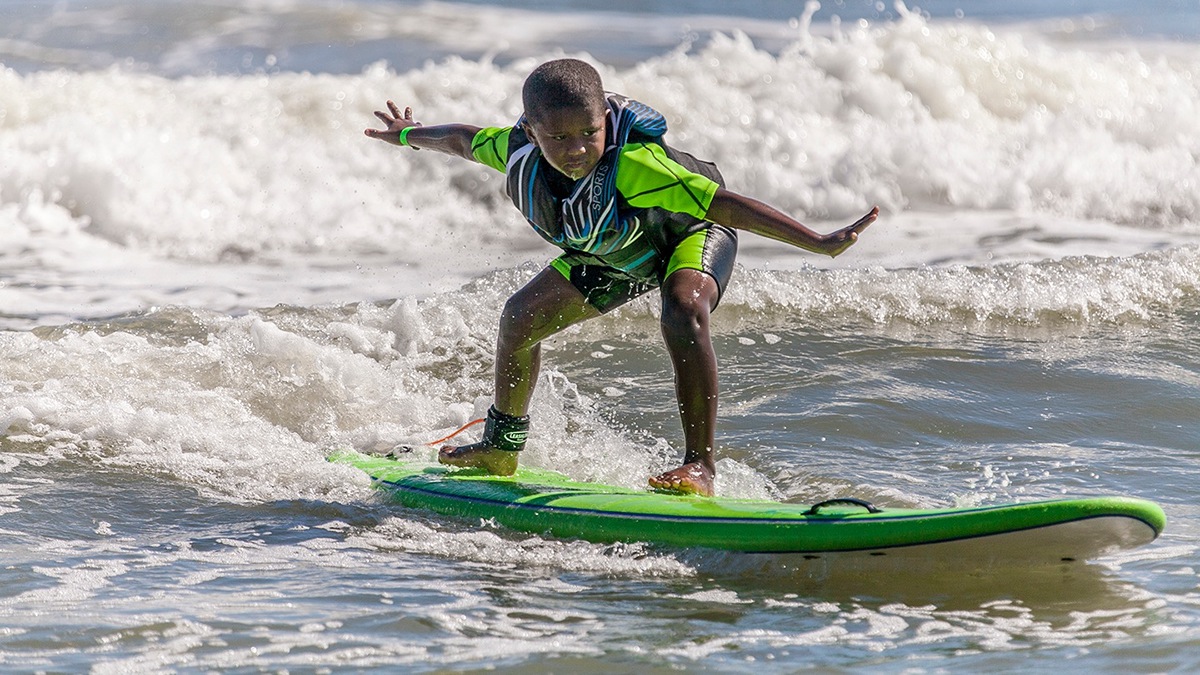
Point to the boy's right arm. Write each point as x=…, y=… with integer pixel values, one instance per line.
x=453, y=139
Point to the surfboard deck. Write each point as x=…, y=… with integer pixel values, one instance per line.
x=544, y=502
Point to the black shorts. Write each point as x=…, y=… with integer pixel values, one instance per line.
x=711, y=250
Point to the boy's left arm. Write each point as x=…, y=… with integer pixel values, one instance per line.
x=744, y=213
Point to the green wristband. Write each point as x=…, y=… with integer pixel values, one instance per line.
x=404, y=136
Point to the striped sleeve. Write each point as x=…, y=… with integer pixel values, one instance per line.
x=490, y=147
x=646, y=177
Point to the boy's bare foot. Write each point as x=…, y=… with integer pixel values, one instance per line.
x=689, y=479
x=477, y=455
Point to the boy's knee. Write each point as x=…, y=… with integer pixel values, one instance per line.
x=526, y=320
x=516, y=320
x=684, y=314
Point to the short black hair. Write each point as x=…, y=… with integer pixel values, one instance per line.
x=562, y=83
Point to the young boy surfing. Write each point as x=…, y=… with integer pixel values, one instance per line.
x=593, y=175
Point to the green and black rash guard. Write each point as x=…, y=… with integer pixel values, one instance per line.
x=640, y=200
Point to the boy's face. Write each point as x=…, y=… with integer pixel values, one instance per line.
x=571, y=139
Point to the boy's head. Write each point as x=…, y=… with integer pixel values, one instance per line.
x=563, y=83
x=566, y=115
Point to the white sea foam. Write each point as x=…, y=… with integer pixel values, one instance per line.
x=235, y=192
x=247, y=407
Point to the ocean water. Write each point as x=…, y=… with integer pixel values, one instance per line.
x=209, y=279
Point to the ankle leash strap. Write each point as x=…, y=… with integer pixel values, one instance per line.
x=504, y=431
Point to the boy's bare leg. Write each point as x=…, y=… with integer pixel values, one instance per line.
x=689, y=296
x=544, y=306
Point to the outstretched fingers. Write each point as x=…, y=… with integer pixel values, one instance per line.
x=864, y=222
x=845, y=237
x=394, y=121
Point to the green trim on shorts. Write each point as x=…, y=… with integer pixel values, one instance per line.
x=563, y=267
x=689, y=254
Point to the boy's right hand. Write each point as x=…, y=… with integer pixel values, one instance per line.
x=395, y=124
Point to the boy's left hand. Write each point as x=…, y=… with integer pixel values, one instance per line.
x=395, y=124
x=836, y=242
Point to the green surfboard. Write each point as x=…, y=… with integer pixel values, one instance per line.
x=544, y=502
